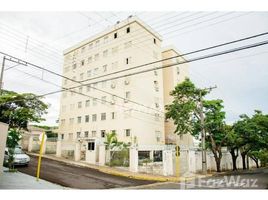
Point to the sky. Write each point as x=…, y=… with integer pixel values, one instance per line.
x=241, y=78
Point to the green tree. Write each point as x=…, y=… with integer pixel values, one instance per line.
x=233, y=143
x=112, y=145
x=186, y=113
x=252, y=133
x=13, y=139
x=215, y=128
x=18, y=110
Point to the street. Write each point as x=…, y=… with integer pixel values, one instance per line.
x=78, y=177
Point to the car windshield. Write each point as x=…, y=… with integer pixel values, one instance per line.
x=18, y=151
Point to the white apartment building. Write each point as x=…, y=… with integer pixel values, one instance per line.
x=132, y=105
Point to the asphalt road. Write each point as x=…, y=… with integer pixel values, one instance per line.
x=249, y=179
x=78, y=177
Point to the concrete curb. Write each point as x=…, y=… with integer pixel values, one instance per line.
x=117, y=172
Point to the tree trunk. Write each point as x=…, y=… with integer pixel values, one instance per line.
x=244, y=160
x=218, y=164
x=234, y=157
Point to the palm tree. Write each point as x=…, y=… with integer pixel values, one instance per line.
x=113, y=144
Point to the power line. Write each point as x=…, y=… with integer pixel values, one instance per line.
x=182, y=55
x=139, y=66
x=27, y=63
x=188, y=61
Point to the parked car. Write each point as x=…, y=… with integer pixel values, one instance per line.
x=20, y=158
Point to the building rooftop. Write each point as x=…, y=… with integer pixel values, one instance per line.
x=118, y=25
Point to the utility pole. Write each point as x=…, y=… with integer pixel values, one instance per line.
x=203, y=132
x=2, y=74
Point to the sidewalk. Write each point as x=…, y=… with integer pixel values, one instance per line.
x=17, y=180
x=122, y=172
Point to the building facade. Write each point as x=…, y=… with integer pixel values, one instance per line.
x=129, y=103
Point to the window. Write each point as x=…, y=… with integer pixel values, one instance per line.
x=86, y=134
x=156, y=105
x=82, y=62
x=103, y=116
x=94, y=133
x=103, y=84
x=105, y=40
x=94, y=117
x=114, y=50
x=156, y=116
x=80, y=89
x=154, y=41
x=115, y=35
x=64, y=94
x=79, y=104
x=71, y=120
x=105, y=53
x=79, y=119
x=127, y=132
x=128, y=44
x=114, y=65
x=155, y=55
x=90, y=46
x=143, y=155
x=155, y=73
x=158, y=157
x=128, y=29
x=82, y=49
x=91, y=146
x=156, y=86
x=97, y=43
x=113, y=84
x=72, y=106
x=87, y=103
x=88, y=88
x=74, y=66
x=127, y=96
x=113, y=131
x=94, y=101
x=113, y=115
x=96, y=70
x=89, y=73
x=62, y=122
x=128, y=60
x=103, y=99
x=104, y=68
x=178, y=70
x=158, y=136
x=103, y=133
x=71, y=136
x=89, y=60
x=113, y=99
x=81, y=76
x=95, y=85
x=62, y=136
x=97, y=56
x=87, y=118
x=63, y=108
x=78, y=134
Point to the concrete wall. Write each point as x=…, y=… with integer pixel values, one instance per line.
x=3, y=137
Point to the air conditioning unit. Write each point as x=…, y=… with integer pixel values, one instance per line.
x=113, y=85
x=127, y=82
